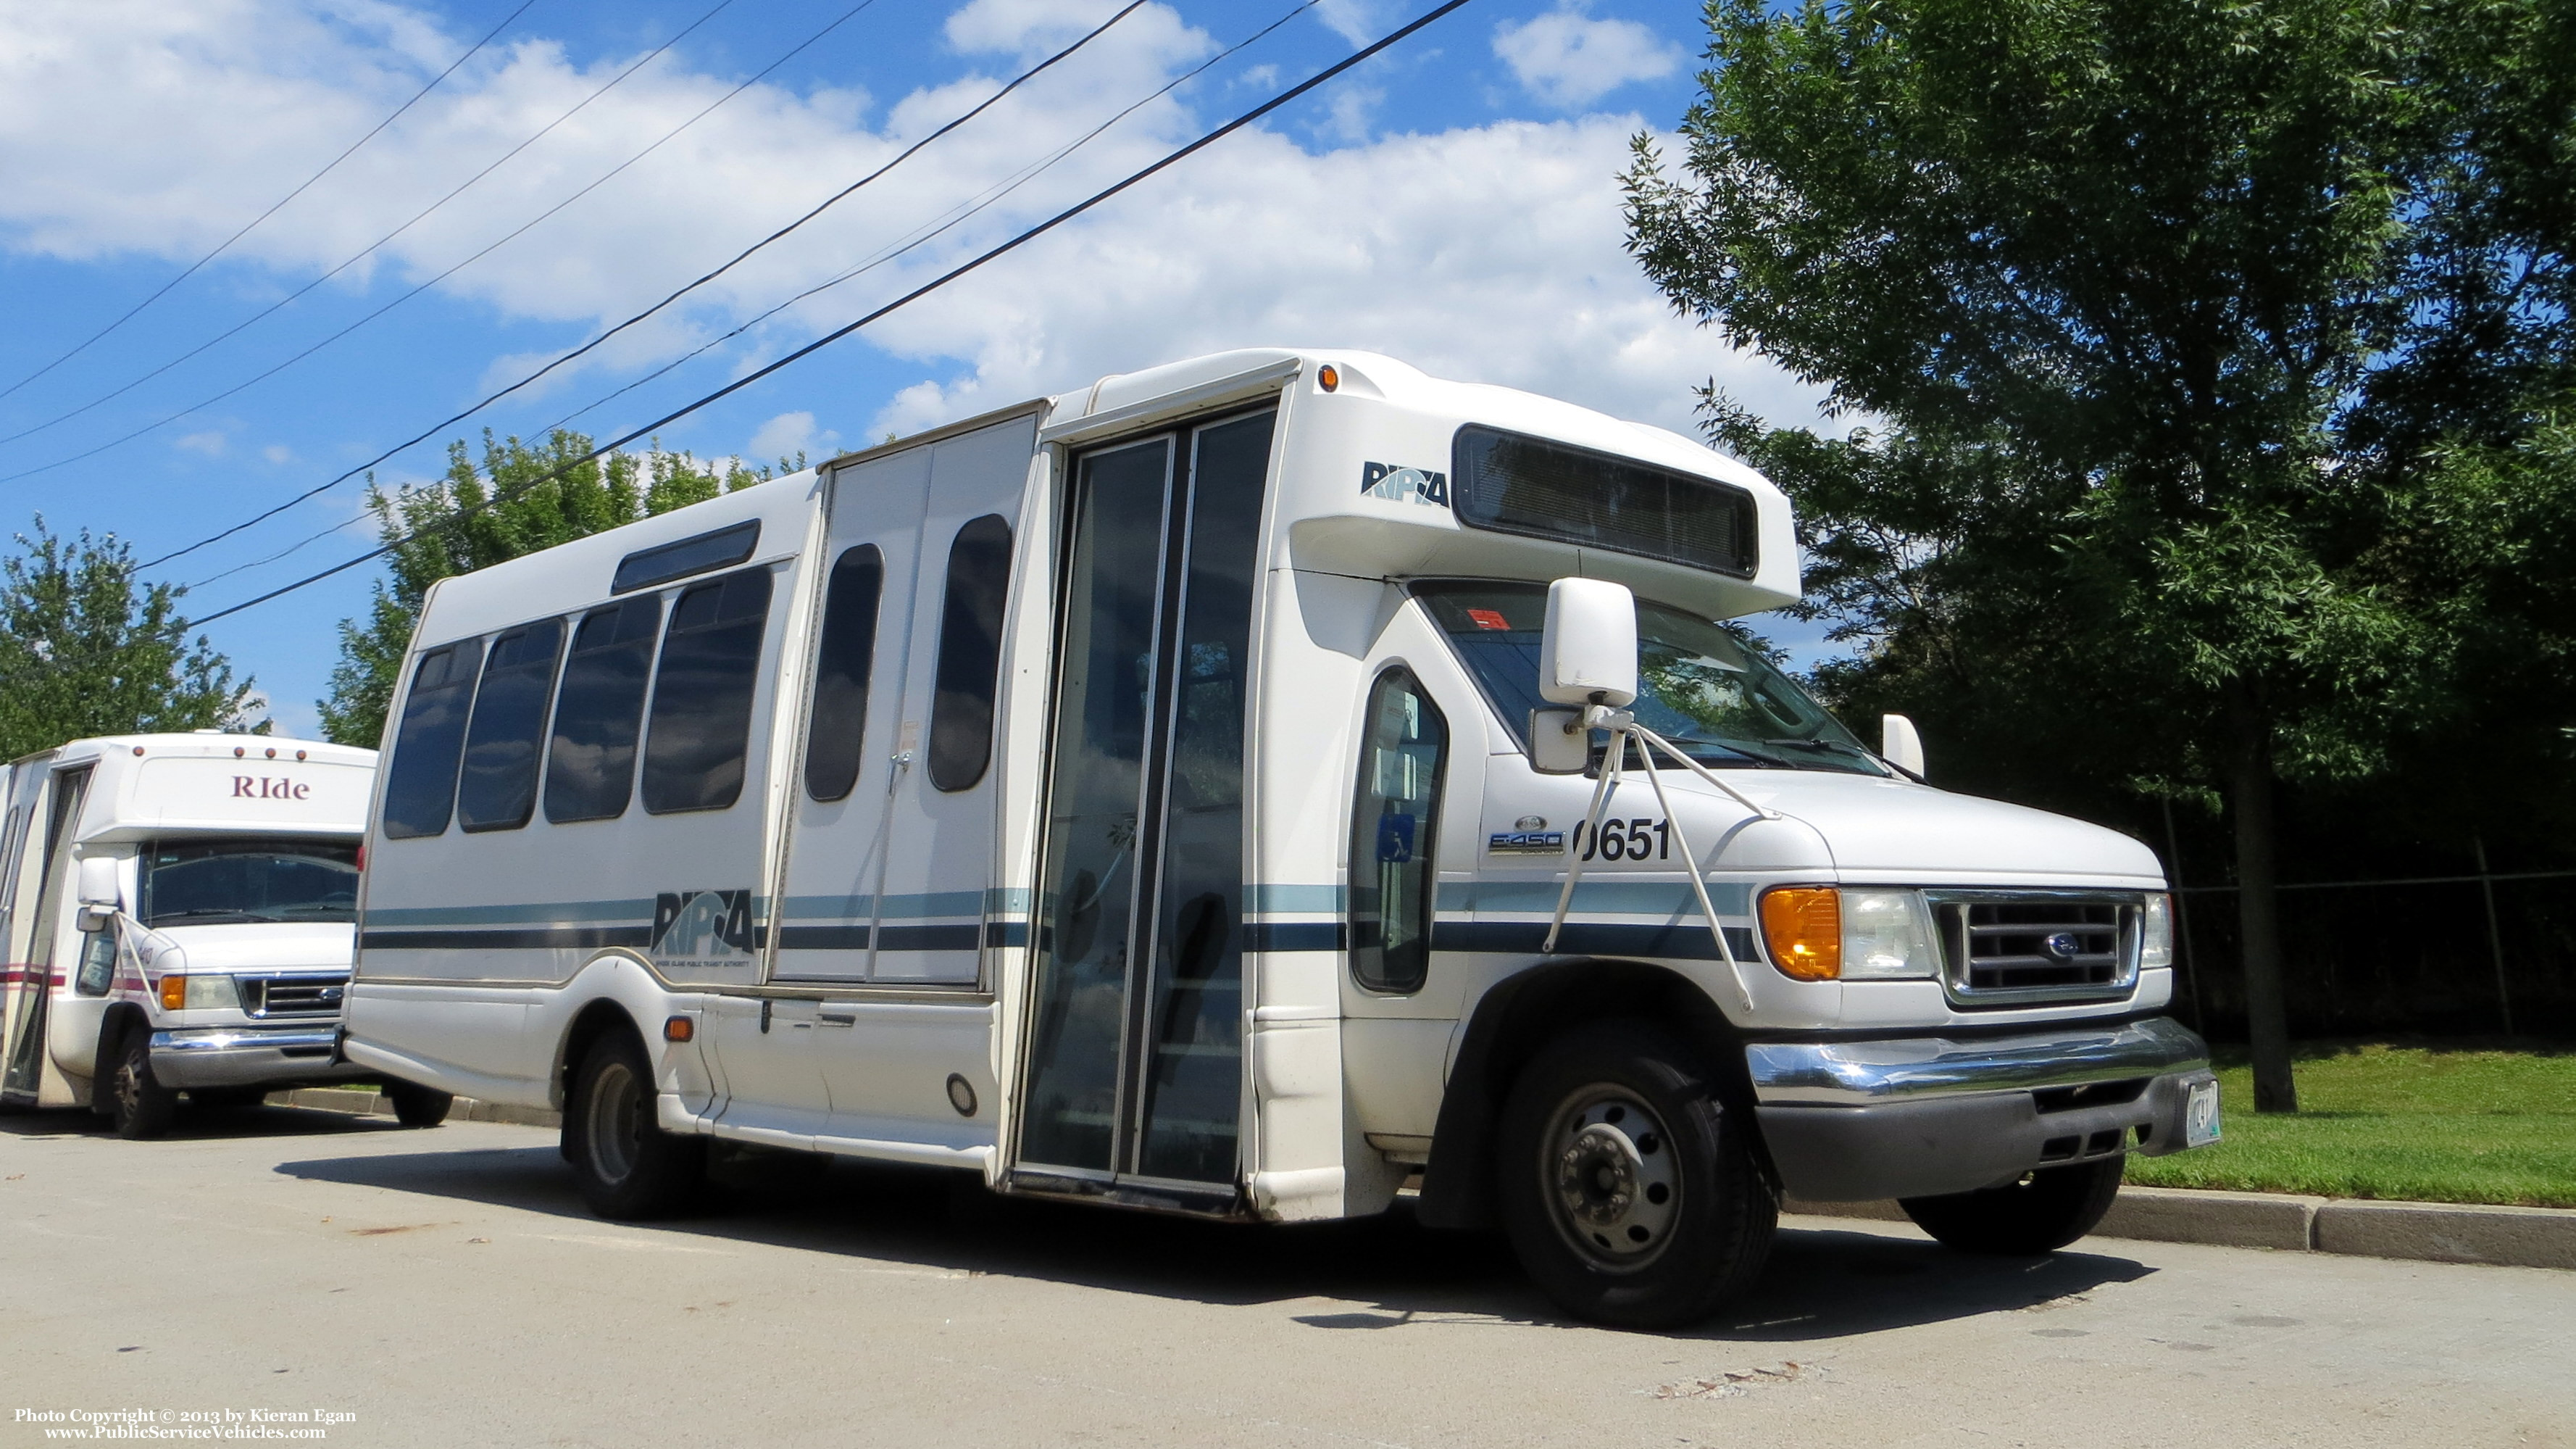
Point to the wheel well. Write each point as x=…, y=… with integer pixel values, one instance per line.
x=588, y=1025
x=1517, y=1018
x=122, y=1017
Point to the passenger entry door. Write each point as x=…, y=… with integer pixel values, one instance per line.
x=1133, y=1068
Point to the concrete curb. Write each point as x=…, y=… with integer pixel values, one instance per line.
x=376, y=1104
x=2514, y=1237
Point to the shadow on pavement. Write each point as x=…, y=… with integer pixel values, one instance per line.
x=1820, y=1283
x=199, y=1124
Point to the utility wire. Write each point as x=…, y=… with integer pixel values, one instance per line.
x=827, y=339
x=226, y=244
x=495, y=245
x=956, y=217
x=987, y=103
x=272, y=308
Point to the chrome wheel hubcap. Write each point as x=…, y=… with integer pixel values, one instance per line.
x=1614, y=1188
x=616, y=1123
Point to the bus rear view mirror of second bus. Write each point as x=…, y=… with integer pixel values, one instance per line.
x=1129, y=797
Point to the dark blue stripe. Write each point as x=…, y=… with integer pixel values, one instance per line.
x=1292, y=935
x=577, y=937
x=822, y=938
x=1006, y=933
x=1689, y=942
x=929, y=938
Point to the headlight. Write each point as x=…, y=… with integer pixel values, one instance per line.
x=1887, y=936
x=1821, y=933
x=2155, y=932
x=199, y=993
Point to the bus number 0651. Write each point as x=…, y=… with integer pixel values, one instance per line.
x=1639, y=839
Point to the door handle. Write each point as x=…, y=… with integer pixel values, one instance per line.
x=828, y=1019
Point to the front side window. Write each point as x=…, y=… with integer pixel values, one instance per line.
x=498, y=789
x=837, y=735
x=700, y=737
x=1697, y=684
x=420, y=783
x=970, y=653
x=1404, y=748
x=590, y=762
x=226, y=882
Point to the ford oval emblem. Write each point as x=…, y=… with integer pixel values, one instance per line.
x=2063, y=946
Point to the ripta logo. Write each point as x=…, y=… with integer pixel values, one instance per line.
x=1385, y=480
x=701, y=928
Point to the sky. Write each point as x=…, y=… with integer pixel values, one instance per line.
x=1453, y=202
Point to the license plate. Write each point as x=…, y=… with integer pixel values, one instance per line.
x=2200, y=1115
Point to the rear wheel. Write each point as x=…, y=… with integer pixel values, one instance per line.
x=1630, y=1194
x=2040, y=1213
x=137, y=1102
x=627, y=1165
x=418, y=1106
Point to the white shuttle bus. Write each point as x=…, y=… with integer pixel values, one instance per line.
x=178, y=911
x=1166, y=795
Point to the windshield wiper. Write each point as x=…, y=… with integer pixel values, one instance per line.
x=209, y=912
x=1835, y=747
x=1690, y=742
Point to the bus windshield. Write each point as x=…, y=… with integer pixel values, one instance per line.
x=215, y=882
x=1697, y=685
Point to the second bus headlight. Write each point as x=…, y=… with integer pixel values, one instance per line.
x=1887, y=936
x=2155, y=931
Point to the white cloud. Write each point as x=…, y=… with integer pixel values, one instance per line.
x=1491, y=253
x=278, y=453
x=1570, y=60
x=210, y=443
x=1353, y=20
x=788, y=434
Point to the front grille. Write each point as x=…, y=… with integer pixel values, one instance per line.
x=264, y=997
x=2027, y=948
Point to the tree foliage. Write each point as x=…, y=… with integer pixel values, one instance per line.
x=2164, y=313
x=86, y=649
x=520, y=499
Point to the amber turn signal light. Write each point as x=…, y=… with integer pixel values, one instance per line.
x=679, y=1028
x=174, y=992
x=1328, y=377
x=1803, y=926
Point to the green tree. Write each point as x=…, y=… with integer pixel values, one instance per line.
x=520, y=499
x=2155, y=299
x=87, y=649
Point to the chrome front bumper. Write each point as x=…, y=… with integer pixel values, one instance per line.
x=1853, y=1121
x=249, y=1056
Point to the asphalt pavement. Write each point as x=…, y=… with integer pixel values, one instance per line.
x=447, y=1288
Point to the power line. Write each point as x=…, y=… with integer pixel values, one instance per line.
x=957, y=216
x=226, y=244
x=272, y=308
x=987, y=103
x=495, y=245
x=827, y=339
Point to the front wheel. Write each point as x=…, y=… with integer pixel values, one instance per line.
x=137, y=1102
x=627, y=1165
x=2040, y=1212
x=1630, y=1193
x=418, y=1106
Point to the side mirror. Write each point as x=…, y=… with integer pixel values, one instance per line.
x=1588, y=654
x=1900, y=745
x=98, y=884
x=1559, y=744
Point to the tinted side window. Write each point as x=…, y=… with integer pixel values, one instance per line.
x=590, y=764
x=1403, y=751
x=420, y=784
x=838, y=730
x=970, y=653
x=499, y=788
x=693, y=754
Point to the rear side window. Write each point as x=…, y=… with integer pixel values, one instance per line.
x=1403, y=752
x=590, y=763
x=970, y=653
x=498, y=790
x=838, y=731
x=701, y=729
x=420, y=784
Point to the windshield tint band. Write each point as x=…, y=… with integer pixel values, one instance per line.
x=1540, y=489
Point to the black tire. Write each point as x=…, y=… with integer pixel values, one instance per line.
x=226, y=1099
x=137, y=1102
x=2041, y=1213
x=628, y=1167
x=1630, y=1193
x=418, y=1106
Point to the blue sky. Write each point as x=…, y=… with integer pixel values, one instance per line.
x=1452, y=203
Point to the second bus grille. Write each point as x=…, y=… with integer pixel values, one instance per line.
x=2024, y=949
x=274, y=996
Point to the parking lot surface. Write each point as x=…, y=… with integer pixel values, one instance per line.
x=447, y=1287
